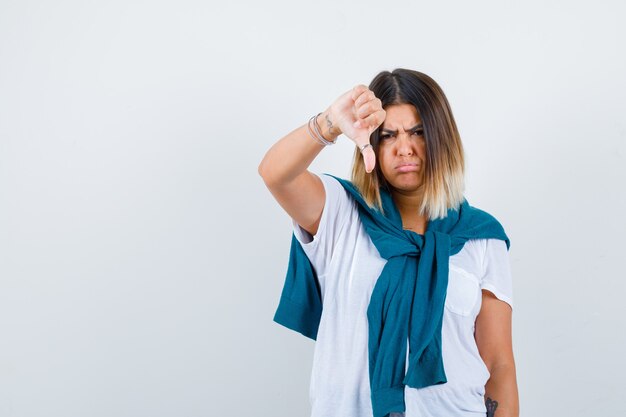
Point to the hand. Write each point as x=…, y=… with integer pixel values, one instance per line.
x=357, y=113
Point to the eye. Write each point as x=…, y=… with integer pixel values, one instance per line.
x=384, y=136
x=419, y=132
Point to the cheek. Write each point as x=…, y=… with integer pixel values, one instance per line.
x=383, y=161
x=421, y=147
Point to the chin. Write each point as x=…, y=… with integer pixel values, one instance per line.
x=409, y=178
x=409, y=185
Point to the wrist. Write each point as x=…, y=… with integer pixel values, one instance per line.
x=329, y=129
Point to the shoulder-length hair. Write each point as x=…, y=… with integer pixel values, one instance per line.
x=444, y=169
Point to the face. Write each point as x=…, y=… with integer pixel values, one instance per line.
x=402, y=148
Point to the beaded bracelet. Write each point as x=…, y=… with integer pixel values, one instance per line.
x=316, y=134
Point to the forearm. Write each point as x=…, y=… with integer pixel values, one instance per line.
x=501, y=396
x=293, y=154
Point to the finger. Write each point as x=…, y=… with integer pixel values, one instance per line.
x=371, y=122
x=365, y=96
x=368, y=108
x=369, y=157
x=357, y=91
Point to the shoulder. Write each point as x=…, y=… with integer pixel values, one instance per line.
x=484, y=247
x=478, y=219
x=336, y=181
x=339, y=202
x=479, y=248
x=476, y=214
x=335, y=187
x=351, y=190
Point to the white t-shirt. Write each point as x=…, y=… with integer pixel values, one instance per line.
x=347, y=265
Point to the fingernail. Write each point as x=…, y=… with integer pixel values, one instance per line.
x=357, y=124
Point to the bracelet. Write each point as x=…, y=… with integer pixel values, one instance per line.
x=316, y=134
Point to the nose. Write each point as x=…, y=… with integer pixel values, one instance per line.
x=405, y=145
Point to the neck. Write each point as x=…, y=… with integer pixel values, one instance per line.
x=408, y=205
x=408, y=202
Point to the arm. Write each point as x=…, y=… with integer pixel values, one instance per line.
x=284, y=167
x=284, y=171
x=494, y=341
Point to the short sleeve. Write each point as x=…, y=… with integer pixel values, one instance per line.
x=497, y=271
x=336, y=212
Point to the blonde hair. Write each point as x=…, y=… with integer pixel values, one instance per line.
x=444, y=175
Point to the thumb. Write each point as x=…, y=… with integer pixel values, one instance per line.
x=367, y=150
x=369, y=157
x=362, y=141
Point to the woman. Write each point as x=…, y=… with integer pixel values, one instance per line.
x=405, y=287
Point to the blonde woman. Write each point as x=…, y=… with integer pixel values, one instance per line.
x=405, y=286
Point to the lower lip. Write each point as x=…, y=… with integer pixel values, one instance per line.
x=408, y=168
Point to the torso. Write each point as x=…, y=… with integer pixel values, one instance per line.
x=340, y=382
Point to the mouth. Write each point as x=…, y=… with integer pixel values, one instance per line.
x=407, y=167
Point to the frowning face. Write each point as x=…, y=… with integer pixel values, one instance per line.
x=402, y=148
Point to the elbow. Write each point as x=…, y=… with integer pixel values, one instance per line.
x=273, y=174
x=263, y=172
x=266, y=173
x=260, y=170
x=503, y=363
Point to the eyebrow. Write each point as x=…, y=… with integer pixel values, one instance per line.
x=414, y=128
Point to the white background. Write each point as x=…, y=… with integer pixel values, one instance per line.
x=142, y=257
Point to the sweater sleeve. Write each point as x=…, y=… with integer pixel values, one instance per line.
x=497, y=276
